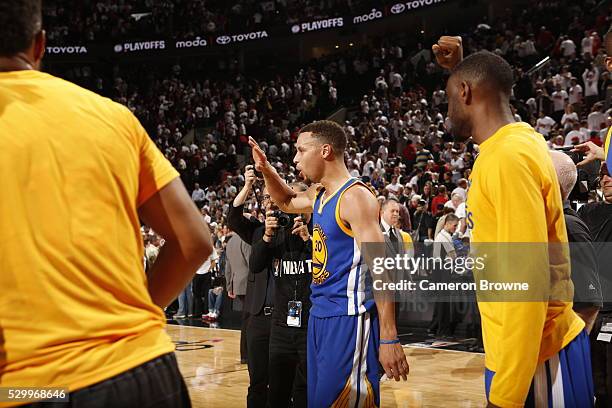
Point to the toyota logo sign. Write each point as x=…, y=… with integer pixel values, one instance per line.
x=398, y=8
x=224, y=39
x=118, y=48
x=295, y=29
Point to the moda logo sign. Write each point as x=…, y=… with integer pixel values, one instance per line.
x=318, y=25
x=140, y=46
x=66, y=50
x=373, y=15
x=198, y=42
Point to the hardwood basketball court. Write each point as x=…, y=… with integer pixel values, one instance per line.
x=209, y=361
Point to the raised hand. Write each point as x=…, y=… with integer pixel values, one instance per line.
x=259, y=157
x=448, y=51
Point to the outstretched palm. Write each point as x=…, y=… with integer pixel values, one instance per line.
x=259, y=157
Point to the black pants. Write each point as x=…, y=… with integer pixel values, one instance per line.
x=287, y=366
x=601, y=360
x=258, y=348
x=201, y=284
x=244, y=356
x=154, y=384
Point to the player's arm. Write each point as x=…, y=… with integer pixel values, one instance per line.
x=165, y=205
x=287, y=200
x=172, y=214
x=514, y=183
x=364, y=222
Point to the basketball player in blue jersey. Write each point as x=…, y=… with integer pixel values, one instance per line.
x=349, y=332
x=591, y=150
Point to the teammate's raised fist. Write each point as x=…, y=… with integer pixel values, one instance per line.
x=448, y=51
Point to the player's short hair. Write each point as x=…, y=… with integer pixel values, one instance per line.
x=20, y=21
x=328, y=132
x=486, y=68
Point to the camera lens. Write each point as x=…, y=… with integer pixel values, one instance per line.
x=284, y=220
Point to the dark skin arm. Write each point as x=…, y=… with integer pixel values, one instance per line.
x=172, y=214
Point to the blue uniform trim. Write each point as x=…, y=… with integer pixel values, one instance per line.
x=569, y=378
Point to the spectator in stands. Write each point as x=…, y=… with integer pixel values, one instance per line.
x=198, y=195
x=439, y=200
x=202, y=283
x=544, y=125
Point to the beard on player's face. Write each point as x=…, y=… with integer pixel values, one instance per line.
x=460, y=124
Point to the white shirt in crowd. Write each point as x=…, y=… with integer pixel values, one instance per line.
x=414, y=183
x=457, y=165
x=544, y=125
x=559, y=98
x=198, y=195
x=575, y=94
x=205, y=267
x=591, y=78
x=443, y=240
x=394, y=188
x=368, y=168
x=569, y=117
x=383, y=153
x=574, y=134
x=595, y=119
x=460, y=211
x=568, y=48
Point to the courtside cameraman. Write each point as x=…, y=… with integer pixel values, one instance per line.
x=287, y=245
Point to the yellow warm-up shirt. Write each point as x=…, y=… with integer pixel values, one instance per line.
x=74, y=166
x=514, y=197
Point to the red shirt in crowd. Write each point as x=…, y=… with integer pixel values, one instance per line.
x=596, y=140
x=437, y=200
x=409, y=152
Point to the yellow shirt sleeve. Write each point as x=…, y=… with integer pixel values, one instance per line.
x=155, y=170
x=514, y=184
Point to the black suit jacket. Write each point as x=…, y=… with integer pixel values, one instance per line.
x=251, y=231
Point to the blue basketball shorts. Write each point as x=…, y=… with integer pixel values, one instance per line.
x=343, y=367
x=563, y=381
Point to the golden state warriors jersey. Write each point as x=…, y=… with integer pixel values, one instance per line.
x=341, y=283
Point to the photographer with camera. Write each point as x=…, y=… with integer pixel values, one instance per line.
x=259, y=293
x=287, y=244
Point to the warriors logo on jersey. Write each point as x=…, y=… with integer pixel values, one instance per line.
x=319, y=256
